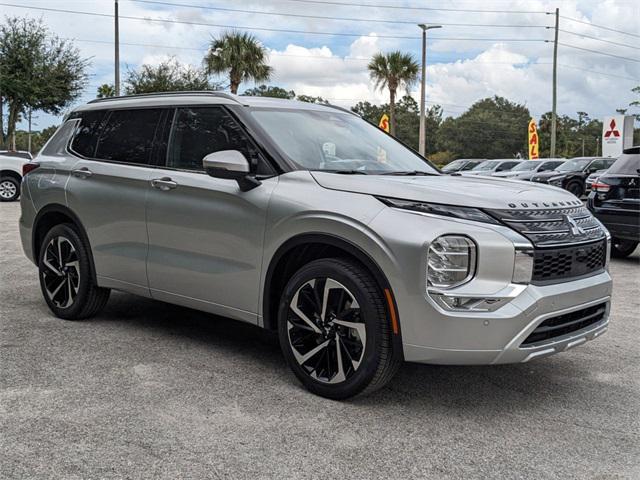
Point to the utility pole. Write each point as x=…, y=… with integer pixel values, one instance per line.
x=29, y=135
x=583, y=146
x=117, y=50
x=552, y=152
x=423, y=86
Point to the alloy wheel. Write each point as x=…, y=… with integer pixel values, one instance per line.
x=8, y=189
x=326, y=331
x=61, y=272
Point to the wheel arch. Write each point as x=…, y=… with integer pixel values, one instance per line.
x=56, y=214
x=11, y=173
x=303, y=248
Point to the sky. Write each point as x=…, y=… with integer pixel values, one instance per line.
x=484, y=48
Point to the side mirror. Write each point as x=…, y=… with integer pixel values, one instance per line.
x=231, y=165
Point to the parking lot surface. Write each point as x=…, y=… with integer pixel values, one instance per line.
x=149, y=390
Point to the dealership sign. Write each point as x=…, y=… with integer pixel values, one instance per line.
x=533, y=140
x=617, y=134
x=384, y=122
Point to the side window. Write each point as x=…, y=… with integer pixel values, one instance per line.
x=58, y=143
x=86, y=137
x=506, y=166
x=608, y=163
x=199, y=131
x=128, y=135
x=597, y=165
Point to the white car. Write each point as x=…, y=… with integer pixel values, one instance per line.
x=11, y=173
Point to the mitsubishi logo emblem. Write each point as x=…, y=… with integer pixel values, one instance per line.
x=576, y=230
x=612, y=130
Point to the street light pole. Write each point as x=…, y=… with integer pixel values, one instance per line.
x=117, y=50
x=423, y=86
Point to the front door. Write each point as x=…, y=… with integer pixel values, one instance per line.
x=205, y=235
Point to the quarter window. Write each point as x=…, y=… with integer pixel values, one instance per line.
x=200, y=131
x=128, y=136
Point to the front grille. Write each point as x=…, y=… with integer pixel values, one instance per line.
x=558, y=264
x=567, y=323
x=552, y=227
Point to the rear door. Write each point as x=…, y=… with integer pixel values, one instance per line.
x=107, y=190
x=205, y=235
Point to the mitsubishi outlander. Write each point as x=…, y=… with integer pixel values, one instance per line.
x=307, y=220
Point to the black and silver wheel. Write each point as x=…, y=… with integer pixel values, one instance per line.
x=622, y=248
x=575, y=188
x=334, y=329
x=65, y=276
x=9, y=189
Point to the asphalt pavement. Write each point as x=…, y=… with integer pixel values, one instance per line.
x=149, y=390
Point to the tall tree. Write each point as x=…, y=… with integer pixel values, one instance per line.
x=168, y=76
x=393, y=70
x=269, y=91
x=491, y=128
x=39, y=71
x=240, y=56
x=106, y=90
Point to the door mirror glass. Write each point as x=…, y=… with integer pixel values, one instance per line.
x=232, y=165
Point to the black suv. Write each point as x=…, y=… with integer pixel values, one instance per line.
x=615, y=201
x=572, y=174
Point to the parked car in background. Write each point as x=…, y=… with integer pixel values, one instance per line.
x=527, y=169
x=462, y=165
x=309, y=221
x=615, y=201
x=489, y=167
x=591, y=179
x=11, y=163
x=572, y=174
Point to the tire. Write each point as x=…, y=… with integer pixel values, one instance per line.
x=366, y=364
x=68, y=287
x=9, y=189
x=622, y=248
x=576, y=188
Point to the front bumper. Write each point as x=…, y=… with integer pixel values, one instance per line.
x=497, y=337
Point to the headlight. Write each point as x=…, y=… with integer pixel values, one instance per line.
x=451, y=261
x=466, y=213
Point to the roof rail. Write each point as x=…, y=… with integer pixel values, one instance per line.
x=166, y=94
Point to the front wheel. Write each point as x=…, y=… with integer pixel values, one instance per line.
x=334, y=330
x=9, y=189
x=576, y=189
x=65, y=275
x=622, y=248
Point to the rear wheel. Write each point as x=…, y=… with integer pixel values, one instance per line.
x=334, y=330
x=576, y=188
x=622, y=248
x=9, y=189
x=65, y=275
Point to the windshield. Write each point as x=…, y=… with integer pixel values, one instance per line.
x=455, y=165
x=486, y=165
x=337, y=142
x=626, y=164
x=525, y=166
x=573, y=165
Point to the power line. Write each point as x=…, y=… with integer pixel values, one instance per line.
x=597, y=52
x=600, y=26
x=430, y=9
x=305, y=32
x=598, y=39
x=321, y=17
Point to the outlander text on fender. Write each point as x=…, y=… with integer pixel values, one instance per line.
x=307, y=220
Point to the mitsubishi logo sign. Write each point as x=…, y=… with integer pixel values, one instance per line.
x=612, y=130
x=576, y=230
x=617, y=134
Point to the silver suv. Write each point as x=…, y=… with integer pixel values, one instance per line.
x=308, y=220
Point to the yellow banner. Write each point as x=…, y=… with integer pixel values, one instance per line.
x=533, y=140
x=384, y=122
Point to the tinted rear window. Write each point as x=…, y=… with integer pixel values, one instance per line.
x=128, y=135
x=626, y=164
x=86, y=138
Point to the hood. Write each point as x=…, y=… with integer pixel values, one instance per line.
x=477, y=172
x=552, y=173
x=514, y=175
x=474, y=191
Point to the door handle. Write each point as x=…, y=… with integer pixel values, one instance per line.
x=82, y=172
x=164, y=184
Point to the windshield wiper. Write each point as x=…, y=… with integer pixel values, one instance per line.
x=343, y=172
x=412, y=173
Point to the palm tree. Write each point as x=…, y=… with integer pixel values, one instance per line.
x=241, y=56
x=393, y=70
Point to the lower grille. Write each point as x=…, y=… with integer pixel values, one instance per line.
x=559, y=264
x=567, y=323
